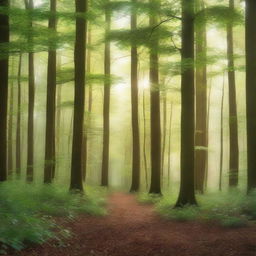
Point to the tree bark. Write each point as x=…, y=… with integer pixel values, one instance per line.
x=221, y=133
x=164, y=133
x=233, y=125
x=4, y=63
x=88, y=119
x=155, y=119
x=187, y=186
x=49, y=167
x=18, y=126
x=135, y=109
x=144, y=139
x=250, y=38
x=76, y=182
x=106, y=106
x=201, y=104
x=10, y=131
x=169, y=146
x=31, y=102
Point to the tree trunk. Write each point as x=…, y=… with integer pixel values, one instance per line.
x=201, y=105
x=49, y=167
x=155, y=119
x=135, y=109
x=169, y=147
x=10, y=131
x=187, y=189
x=18, y=126
x=164, y=133
x=233, y=126
x=88, y=119
x=106, y=106
x=144, y=139
x=221, y=133
x=250, y=38
x=4, y=32
x=31, y=102
x=76, y=182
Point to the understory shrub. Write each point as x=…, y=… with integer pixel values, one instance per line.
x=27, y=212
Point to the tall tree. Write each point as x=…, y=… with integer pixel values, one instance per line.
x=221, y=132
x=49, y=168
x=155, y=119
x=169, y=146
x=4, y=62
x=31, y=98
x=76, y=182
x=10, y=130
x=233, y=126
x=88, y=119
x=106, y=104
x=135, y=108
x=18, y=125
x=250, y=39
x=187, y=189
x=201, y=103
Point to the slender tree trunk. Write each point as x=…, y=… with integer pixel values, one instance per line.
x=169, y=146
x=135, y=109
x=4, y=38
x=155, y=119
x=88, y=119
x=106, y=106
x=18, y=126
x=164, y=133
x=144, y=139
x=31, y=102
x=233, y=126
x=250, y=38
x=58, y=110
x=49, y=167
x=221, y=133
x=201, y=105
x=187, y=189
x=207, y=136
x=10, y=131
x=79, y=100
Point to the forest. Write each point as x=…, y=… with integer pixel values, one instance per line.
x=128, y=127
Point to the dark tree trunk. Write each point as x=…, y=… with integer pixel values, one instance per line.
x=250, y=38
x=79, y=101
x=221, y=133
x=106, y=106
x=201, y=105
x=18, y=126
x=169, y=147
x=135, y=110
x=49, y=167
x=31, y=102
x=155, y=119
x=233, y=126
x=187, y=189
x=4, y=38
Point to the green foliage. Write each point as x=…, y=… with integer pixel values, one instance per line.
x=27, y=211
x=146, y=198
x=231, y=209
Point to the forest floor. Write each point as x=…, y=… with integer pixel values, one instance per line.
x=133, y=229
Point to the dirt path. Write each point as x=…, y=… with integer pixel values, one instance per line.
x=135, y=230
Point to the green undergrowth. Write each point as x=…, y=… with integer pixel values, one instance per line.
x=28, y=212
x=146, y=198
x=229, y=209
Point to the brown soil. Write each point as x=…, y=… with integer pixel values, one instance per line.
x=135, y=230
